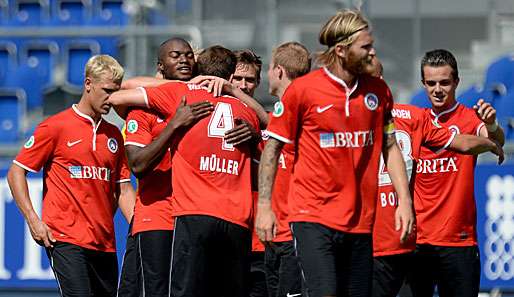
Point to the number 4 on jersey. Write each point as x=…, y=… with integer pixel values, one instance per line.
x=221, y=121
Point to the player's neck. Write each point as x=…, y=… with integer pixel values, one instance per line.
x=343, y=74
x=282, y=88
x=84, y=107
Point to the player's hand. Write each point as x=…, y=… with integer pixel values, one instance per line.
x=404, y=220
x=189, y=114
x=485, y=111
x=498, y=150
x=265, y=222
x=241, y=133
x=215, y=85
x=41, y=233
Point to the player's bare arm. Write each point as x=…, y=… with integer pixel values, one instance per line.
x=122, y=99
x=17, y=179
x=143, y=160
x=487, y=113
x=475, y=145
x=221, y=86
x=404, y=216
x=143, y=81
x=265, y=219
x=126, y=200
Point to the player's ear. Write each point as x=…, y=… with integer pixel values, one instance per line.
x=87, y=84
x=341, y=50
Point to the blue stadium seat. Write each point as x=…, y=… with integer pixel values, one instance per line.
x=505, y=114
x=12, y=113
x=8, y=54
x=28, y=78
x=75, y=57
x=420, y=99
x=4, y=12
x=41, y=55
x=499, y=75
x=71, y=12
x=470, y=96
x=110, y=12
x=30, y=13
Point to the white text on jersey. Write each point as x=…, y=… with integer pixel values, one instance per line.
x=90, y=172
x=346, y=139
x=401, y=113
x=437, y=165
x=216, y=164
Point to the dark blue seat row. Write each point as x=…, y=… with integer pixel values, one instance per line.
x=62, y=13
x=34, y=66
x=12, y=113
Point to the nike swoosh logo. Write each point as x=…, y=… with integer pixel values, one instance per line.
x=293, y=295
x=159, y=120
x=70, y=144
x=320, y=110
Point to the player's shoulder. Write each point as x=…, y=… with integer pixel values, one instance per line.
x=58, y=120
x=310, y=79
x=407, y=111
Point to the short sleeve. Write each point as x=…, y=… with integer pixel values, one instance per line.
x=38, y=149
x=123, y=171
x=138, y=128
x=164, y=98
x=388, y=107
x=435, y=137
x=284, y=120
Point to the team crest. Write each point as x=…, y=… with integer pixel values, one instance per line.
x=29, y=143
x=132, y=126
x=454, y=129
x=112, y=145
x=278, y=109
x=371, y=101
x=264, y=135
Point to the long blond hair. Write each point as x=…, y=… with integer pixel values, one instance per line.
x=340, y=29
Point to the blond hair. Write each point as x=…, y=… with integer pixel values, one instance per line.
x=340, y=30
x=293, y=57
x=100, y=65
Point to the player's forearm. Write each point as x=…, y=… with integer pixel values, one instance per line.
x=132, y=97
x=267, y=170
x=471, y=145
x=256, y=106
x=126, y=200
x=497, y=135
x=16, y=177
x=142, y=81
x=397, y=171
x=142, y=160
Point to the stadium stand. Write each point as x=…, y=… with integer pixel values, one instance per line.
x=420, y=99
x=505, y=114
x=471, y=95
x=12, y=113
x=8, y=57
x=499, y=75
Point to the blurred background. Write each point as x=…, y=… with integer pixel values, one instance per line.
x=44, y=45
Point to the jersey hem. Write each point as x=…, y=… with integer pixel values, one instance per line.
x=278, y=137
x=392, y=253
x=87, y=246
x=201, y=213
x=449, y=244
x=300, y=219
x=24, y=166
x=134, y=143
x=136, y=230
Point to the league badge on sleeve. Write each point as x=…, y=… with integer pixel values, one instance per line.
x=29, y=143
x=278, y=109
x=112, y=145
x=132, y=126
x=371, y=101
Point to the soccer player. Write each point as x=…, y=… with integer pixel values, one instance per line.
x=289, y=61
x=212, y=200
x=247, y=76
x=339, y=120
x=444, y=193
x=414, y=128
x=147, y=142
x=85, y=179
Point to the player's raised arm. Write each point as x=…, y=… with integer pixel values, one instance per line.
x=143, y=81
x=487, y=113
x=475, y=145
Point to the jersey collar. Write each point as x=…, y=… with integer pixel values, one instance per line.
x=442, y=113
x=347, y=90
x=85, y=116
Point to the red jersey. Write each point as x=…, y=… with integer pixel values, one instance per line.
x=338, y=135
x=82, y=162
x=444, y=187
x=152, y=210
x=414, y=129
x=210, y=176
